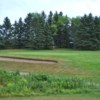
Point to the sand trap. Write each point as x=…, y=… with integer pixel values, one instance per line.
x=28, y=60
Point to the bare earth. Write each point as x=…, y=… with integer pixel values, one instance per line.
x=28, y=60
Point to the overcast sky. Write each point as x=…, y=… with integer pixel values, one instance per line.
x=19, y=8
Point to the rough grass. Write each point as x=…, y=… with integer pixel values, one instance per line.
x=30, y=67
x=14, y=84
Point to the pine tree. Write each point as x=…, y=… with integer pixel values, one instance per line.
x=62, y=38
x=86, y=36
x=19, y=34
x=2, y=45
x=28, y=29
x=55, y=17
x=14, y=35
x=43, y=16
x=37, y=39
x=49, y=40
x=73, y=29
x=7, y=32
x=50, y=19
x=97, y=32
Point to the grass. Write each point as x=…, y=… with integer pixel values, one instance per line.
x=51, y=98
x=14, y=84
x=70, y=62
x=30, y=67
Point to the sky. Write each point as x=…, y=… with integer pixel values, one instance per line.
x=14, y=9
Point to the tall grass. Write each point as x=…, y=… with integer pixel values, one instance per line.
x=14, y=84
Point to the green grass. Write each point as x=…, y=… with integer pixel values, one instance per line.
x=14, y=84
x=85, y=64
x=51, y=98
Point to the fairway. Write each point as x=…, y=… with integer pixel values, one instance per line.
x=71, y=62
x=83, y=64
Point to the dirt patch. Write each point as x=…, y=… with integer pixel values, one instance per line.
x=28, y=60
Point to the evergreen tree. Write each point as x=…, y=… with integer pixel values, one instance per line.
x=19, y=34
x=61, y=13
x=97, y=32
x=62, y=38
x=6, y=32
x=49, y=40
x=50, y=19
x=73, y=29
x=38, y=31
x=55, y=17
x=86, y=36
x=28, y=29
x=67, y=37
x=14, y=34
x=2, y=45
x=43, y=16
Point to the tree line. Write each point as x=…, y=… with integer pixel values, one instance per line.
x=41, y=31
